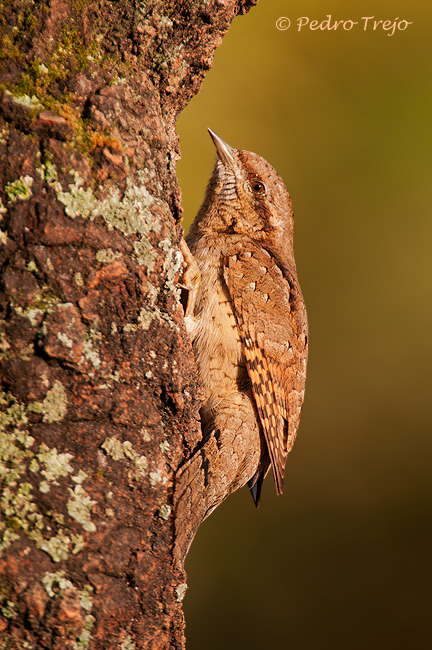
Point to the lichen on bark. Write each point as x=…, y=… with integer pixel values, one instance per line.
x=99, y=400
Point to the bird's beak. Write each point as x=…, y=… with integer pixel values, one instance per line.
x=225, y=152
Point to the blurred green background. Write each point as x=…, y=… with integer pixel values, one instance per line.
x=343, y=559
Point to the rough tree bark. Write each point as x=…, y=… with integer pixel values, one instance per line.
x=99, y=401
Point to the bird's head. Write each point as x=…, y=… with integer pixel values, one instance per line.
x=246, y=196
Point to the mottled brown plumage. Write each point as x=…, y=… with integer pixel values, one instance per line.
x=248, y=325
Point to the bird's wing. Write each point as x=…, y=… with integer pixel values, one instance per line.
x=274, y=344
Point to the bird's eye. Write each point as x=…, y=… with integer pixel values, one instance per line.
x=258, y=187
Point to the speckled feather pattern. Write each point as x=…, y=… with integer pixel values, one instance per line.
x=247, y=322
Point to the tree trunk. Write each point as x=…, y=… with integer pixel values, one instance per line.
x=99, y=401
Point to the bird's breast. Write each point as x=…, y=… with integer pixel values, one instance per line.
x=215, y=335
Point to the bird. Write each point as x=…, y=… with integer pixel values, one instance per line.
x=247, y=321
